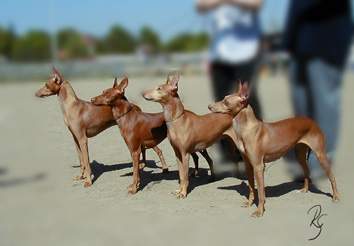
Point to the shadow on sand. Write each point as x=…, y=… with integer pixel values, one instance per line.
x=20, y=181
x=275, y=190
x=149, y=178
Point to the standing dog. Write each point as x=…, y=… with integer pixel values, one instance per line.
x=261, y=142
x=140, y=130
x=83, y=119
x=187, y=131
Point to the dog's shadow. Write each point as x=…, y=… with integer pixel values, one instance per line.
x=7, y=183
x=149, y=178
x=275, y=190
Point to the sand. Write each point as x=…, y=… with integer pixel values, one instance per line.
x=41, y=205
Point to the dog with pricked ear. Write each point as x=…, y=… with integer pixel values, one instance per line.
x=233, y=103
x=260, y=142
x=187, y=131
x=52, y=86
x=83, y=119
x=140, y=130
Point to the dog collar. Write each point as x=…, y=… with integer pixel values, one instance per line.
x=129, y=109
x=179, y=116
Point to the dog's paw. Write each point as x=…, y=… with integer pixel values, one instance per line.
x=303, y=190
x=181, y=195
x=246, y=204
x=258, y=213
x=132, y=189
x=335, y=198
x=141, y=165
x=78, y=178
x=87, y=184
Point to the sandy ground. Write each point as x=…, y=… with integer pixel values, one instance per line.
x=41, y=205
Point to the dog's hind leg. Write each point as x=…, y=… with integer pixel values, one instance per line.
x=317, y=145
x=210, y=163
x=162, y=159
x=196, y=164
x=142, y=163
x=79, y=153
x=302, y=151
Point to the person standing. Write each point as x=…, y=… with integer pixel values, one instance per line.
x=318, y=36
x=234, y=49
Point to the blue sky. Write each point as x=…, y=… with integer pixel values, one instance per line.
x=93, y=16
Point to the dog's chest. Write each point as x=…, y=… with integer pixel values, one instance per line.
x=176, y=137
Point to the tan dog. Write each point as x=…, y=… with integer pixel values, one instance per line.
x=139, y=130
x=83, y=119
x=261, y=143
x=187, y=131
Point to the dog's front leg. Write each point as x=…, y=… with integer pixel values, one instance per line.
x=183, y=175
x=79, y=153
x=251, y=187
x=258, y=168
x=133, y=188
x=86, y=162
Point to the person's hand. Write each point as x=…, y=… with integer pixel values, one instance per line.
x=205, y=5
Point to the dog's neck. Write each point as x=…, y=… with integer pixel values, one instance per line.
x=121, y=108
x=66, y=97
x=245, y=119
x=66, y=93
x=172, y=109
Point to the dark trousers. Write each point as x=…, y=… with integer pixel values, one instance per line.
x=316, y=88
x=225, y=79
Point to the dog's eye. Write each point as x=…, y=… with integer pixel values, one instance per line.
x=158, y=88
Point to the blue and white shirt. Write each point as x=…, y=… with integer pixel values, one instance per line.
x=235, y=34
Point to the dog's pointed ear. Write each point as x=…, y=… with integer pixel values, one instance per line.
x=173, y=78
x=245, y=90
x=239, y=87
x=57, y=74
x=123, y=84
x=115, y=84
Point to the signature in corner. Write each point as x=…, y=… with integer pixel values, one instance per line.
x=316, y=211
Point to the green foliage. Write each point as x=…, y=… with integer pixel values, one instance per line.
x=187, y=42
x=118, y=40
x=7, y=39
x=33, y=46
x=149, y=37
x=71, y=44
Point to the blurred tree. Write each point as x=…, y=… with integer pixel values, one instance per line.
x=148, y=37
x=33, y=46
x=72, y=44
x=7, y=39
x=187, y=42
x=118, y=40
